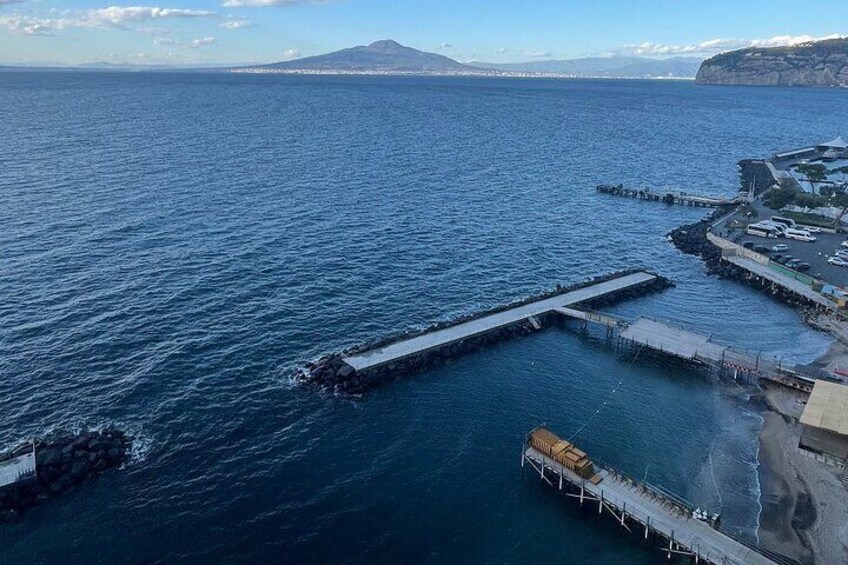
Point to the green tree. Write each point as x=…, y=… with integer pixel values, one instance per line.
x=840, y=201
x=813, y=172
x=806, y=200
x=777, y=198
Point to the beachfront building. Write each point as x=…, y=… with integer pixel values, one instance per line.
x=825, y=423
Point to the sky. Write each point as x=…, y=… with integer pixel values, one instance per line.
x=200, y=32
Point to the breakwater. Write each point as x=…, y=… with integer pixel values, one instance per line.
x=61, y=461
x=362, y=367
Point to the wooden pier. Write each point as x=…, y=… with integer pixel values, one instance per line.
x=667, y=196
x=650, y=512
x=527, y=313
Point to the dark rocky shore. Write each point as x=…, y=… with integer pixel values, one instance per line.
x=692, y=239
x=62, y=461
x=331, y=372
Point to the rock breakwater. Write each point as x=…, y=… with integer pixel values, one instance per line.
x=63, y=460
x=331, y=371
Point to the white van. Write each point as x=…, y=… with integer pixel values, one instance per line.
x=800, y=235
x=762, y=231
x=776, y=225
x=788, y=222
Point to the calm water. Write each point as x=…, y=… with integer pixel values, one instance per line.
x=172, y=245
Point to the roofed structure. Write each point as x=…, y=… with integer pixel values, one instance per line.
x=825, y=422
x=838, y=143
x=827, y=408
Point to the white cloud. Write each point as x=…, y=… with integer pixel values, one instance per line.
x=267, y=3
x=235, y=22
x=117, y=15
x=445, y=46
x=502, y=50
x=192, y=44
x=3, y=2
x=713, y=46
x=290, y=54
x=113, y=16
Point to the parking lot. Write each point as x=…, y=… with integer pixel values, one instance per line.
x=815, y=253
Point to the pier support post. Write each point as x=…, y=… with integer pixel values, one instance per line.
x=623, y=512
x=560, y=481
x=581, y=494
x=601, y=503
x=647, y=526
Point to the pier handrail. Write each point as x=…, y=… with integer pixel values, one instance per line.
x=682, y=505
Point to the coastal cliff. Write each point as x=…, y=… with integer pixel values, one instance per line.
x=822, y=63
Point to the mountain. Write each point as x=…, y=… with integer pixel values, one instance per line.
x=384, y=56
x=820, y=63
x=620, y=67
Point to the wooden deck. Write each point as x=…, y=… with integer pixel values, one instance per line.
x=642, y=508
x=440, y=338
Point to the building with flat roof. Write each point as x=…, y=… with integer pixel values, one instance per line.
x=825, y=422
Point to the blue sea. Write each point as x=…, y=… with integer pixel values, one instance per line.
x=173, y=245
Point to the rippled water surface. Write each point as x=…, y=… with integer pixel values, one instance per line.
x=171, y=245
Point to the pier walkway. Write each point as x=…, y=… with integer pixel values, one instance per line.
x=773, y=276
x=668, y=196
x=648, y=510
x=439, y=338
x=700, y=349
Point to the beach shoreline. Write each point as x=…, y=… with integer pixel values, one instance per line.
x=804, y=506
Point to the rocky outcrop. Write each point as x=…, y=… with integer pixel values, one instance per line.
x=821, y=63
x=331, y=372
x=62, y=461
x=692, y=240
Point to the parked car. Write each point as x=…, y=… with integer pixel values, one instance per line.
x=842, y=253
x=838, y=261
x=793, y=263
x=775, y=256
x=761, y=249
x=811, y=229
x=750, y=244
x=779, y=247
x=785, y=259
x=802, y=266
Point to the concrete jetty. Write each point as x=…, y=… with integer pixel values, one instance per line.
x=384, y=355
x=650, y=512
x=360, y=368
x=668, y=196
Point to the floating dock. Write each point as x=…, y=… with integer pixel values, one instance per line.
x=649, y=511
x=667, y=196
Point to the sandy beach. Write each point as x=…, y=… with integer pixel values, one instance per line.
x=805, y=504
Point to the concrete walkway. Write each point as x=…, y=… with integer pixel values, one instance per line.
x=440, y=338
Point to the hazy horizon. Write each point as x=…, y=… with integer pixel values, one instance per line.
x=232, y=32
